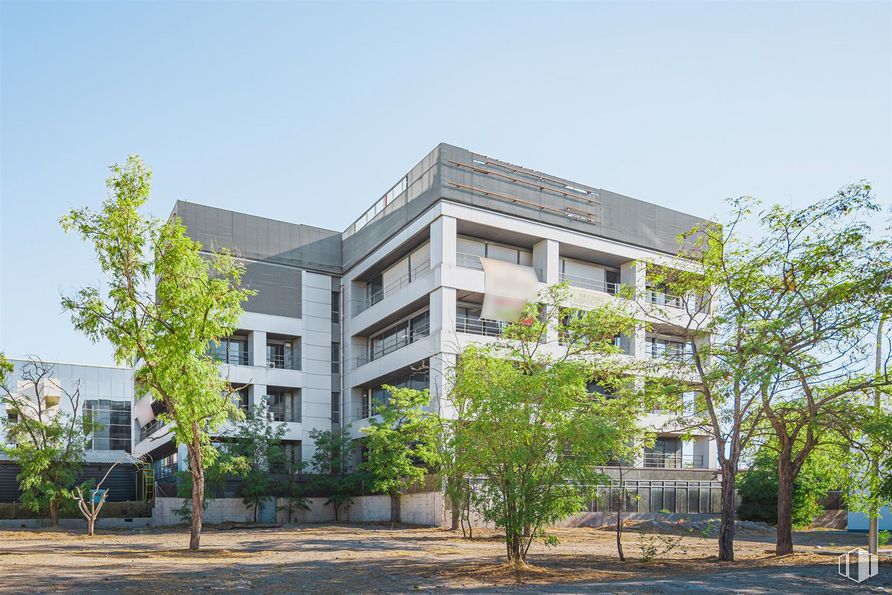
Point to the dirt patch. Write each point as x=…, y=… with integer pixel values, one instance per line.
x=372, y=559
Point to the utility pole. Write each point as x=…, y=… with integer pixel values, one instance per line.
x=873, y=531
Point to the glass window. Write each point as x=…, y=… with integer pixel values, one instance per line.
x=335, y=358
x=335, y=408
x=335, y=306
x=113, y=424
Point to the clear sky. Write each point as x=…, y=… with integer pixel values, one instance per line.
x=309, y=112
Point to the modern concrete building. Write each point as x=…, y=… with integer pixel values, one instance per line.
x=395, y=297
x=104, y=393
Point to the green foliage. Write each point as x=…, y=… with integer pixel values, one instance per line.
x=6, y=368
x=164, y=302
x=758, y=485
x=45, y=440
x=400, y=441
x=332, y=455
x=531, y=429
x=883, y=537
x=657, y=546
x=253, y=453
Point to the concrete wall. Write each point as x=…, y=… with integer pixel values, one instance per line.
x=416, y=509
x=77, y=524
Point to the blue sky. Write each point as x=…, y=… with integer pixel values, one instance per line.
x=308, y=112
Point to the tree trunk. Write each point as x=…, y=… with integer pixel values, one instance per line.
x=784, y=544
x=455, y=511
x=619, y=532
x=514, y=543
x=394, y=509
x=197, y=472
x=90, y=523
x=726, y=527
x=54, y=513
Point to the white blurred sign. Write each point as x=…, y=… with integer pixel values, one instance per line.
x=508, y=287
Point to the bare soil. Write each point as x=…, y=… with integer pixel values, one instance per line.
x=346, y=558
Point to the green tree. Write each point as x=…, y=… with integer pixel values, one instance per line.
x=820, y=473
x=533, y=432
x=826, y=286
x=332, y=454
x=165, y=302
x=400, y=444
x=6, y=368
x=255, y=453
x=47, y=440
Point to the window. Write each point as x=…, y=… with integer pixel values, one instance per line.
x=335, y=408
x=399, y=335
x=283, y=354
x=231, y=350
x=378, y=396
x=284, y=406
x=335, y=306
x=112, y=419
x=293, y=461
x=335, y=358
x=241, y=400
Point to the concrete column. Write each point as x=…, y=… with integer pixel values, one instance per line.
x=444, y=240
x=441, y=375
x=442, y=317
x=547, y=261
x=257, y=348
x=256, y=392
x=182, y=458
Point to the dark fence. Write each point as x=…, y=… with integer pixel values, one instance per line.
x=121, y=482
x=674, y=496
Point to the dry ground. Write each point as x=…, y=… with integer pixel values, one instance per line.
x=375, y=559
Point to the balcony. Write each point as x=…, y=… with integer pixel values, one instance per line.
x=472, y=261
x=674, y=355
x=661, y=460
x=479, y=326
x=658, y=298
x=591, y=284
x=150, y=428
x=361, y=305
x=419, y=332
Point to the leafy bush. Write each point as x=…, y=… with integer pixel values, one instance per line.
x=758, y=487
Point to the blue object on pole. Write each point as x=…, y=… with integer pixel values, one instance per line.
x=97, y=495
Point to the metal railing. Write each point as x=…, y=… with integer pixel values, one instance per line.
x=660, y=460
x=419, y=332
x=240, y=358
x=150, y=428
x=377, y=208
x=593, y=284
x=468, y=261
x=422, y=270
x=472, y=261
x=479, y=326
x=279, y=361
x=669, y=354
x=664, y=299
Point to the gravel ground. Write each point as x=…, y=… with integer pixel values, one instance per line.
x=375, y=559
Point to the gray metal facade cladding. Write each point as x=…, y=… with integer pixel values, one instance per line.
x=278, y=289
x=259, y=238
x=456, y=175
x=121, y=482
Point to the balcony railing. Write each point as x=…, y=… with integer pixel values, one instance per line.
x=669, y=354
x=590, y=283
x=479, y=326
x=280, y=361
x=150, y=429
x=664, y=299
x=419, y=332
x=361, y=305
x=468, y=261
x=659, y=460
x=472, y=261
x=240, y=358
